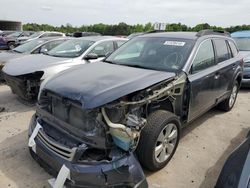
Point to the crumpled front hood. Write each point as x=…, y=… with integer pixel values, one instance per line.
x=99, y=83
x=5, y=56
x=32, y=63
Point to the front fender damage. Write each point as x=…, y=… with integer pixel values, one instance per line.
x=133, y=113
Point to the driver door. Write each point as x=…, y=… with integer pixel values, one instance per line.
x=201, y=78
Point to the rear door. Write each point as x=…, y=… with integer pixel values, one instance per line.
x=226, y=67
x=201, y=78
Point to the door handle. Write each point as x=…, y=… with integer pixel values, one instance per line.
x=234, y=66
x=217, y=76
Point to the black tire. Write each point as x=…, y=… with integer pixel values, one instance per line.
x=11, y=45
x=225, y=105
x=145, y=151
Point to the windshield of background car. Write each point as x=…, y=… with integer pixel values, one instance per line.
x=243, y=43
x=16, y=34
x=157, y=53
x=37, y=34
x=29, y=46
x=71, y=49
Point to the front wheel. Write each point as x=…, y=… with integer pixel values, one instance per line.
x=11, y=45
x=159, y=140
x=228, y=104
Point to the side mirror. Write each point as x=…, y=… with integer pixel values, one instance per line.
x=43, y=50
x=91, y=56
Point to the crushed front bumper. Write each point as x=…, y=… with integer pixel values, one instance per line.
x=26, y=89
x=16, y=84
x=123, y=172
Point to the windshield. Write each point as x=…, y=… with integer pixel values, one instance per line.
x=16, y=34
x=37, y=34
x=165, y=54
x=71, y=49
x=243, y=43
x=29, y=46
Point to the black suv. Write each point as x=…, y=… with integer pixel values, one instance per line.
x=92, y=119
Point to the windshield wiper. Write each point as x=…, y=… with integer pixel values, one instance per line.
x=111, y=62
x=16, y=51
x=135, y=66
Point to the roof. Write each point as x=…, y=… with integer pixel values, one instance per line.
x=183, y=35
x=98, y=38
x=53, y=38
x=241, y=34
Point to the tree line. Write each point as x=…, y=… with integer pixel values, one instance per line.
x=125, y=29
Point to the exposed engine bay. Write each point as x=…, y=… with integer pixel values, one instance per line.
x=127, y=116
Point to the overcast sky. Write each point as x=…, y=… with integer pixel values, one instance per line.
x=79, y=12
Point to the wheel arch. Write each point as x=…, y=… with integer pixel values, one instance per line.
x=165, y=105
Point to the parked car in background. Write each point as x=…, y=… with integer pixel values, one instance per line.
x=36, y=46
x=236, y=170
x=133, y=35
x=85, y=34
x=5, y=33
x=25, y=74
x=136, y=101
x=242, y=39
x=40, y=34
x=8, y=42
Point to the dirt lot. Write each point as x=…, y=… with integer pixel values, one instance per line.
x=204, y=146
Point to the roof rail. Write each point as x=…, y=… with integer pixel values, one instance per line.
x=154, y=31
x=212, y=32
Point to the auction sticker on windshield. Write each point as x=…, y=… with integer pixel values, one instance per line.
x=78, y=47
x=174, y=43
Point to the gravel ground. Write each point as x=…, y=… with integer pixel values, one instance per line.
x=203, y=149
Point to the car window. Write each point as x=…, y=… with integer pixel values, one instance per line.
x=55, y=35
x=25, y=34
x=34, y=35
x=27, y=47
x=103, y=48
x=233, y=48
x=204, y=58
x=71, y=48
x=120, y=42
x=15, y=34
x=156, y=53
x=48, y=46
x=223, y=53
x=44, y=35
x=52, y=44
x=132, y=51
x=243, y=43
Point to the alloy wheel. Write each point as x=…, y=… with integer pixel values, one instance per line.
x=166, y=142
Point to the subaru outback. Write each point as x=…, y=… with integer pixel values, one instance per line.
x=96, y=123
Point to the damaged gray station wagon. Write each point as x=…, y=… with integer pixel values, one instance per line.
x=92, y=120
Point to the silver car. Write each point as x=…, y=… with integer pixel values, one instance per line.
x=33, y=47
x=24, y=75
x=37, y=35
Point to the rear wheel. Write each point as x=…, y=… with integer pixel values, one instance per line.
x=159, y=140
x=228, y=104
